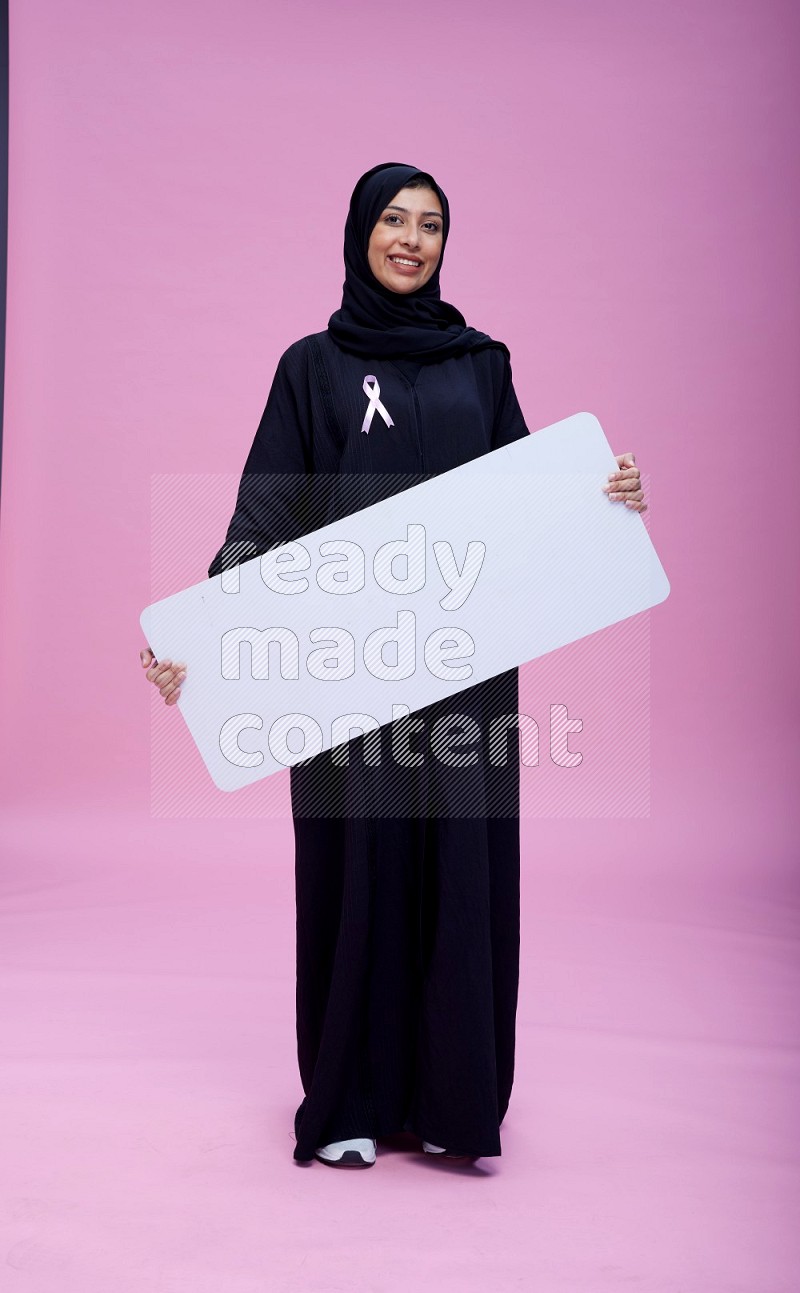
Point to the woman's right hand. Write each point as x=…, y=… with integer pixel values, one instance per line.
x=166, y=675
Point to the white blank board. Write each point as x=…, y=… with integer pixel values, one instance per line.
x=496, y=562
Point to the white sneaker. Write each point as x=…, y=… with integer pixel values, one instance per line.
x=359, y=1152
x=432, y=1149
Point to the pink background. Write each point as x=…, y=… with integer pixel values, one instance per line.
x=624, y=186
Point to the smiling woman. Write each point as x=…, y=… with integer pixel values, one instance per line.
x=406, y=873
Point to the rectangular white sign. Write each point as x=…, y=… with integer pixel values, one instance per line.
x=409, y=601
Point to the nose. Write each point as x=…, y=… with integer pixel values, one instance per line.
x=410, y=236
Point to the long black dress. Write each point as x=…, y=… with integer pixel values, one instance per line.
x=407, y=880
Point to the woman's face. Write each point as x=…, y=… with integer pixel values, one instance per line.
x=406, y=243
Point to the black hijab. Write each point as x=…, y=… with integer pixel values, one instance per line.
x=377, y=323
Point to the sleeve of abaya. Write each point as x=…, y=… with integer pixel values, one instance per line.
x=270, y=505
x=509, y=424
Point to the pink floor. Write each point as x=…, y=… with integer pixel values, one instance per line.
x=149, y=1079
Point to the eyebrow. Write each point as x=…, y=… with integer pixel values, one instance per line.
x=393, y=207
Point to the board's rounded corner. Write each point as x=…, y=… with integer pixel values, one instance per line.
x=226, y=788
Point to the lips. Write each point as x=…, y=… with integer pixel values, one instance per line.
x=405, y=264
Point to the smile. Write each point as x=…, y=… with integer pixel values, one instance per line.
x=406, y=262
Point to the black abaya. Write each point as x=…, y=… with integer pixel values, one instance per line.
x=407, y=880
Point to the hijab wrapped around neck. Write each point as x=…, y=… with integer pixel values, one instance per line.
x=376, y=322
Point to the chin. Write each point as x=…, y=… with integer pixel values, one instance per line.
x=402, y=284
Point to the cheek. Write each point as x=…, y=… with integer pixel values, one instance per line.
x=375, y=249
x=434, y=265
x=375, y=260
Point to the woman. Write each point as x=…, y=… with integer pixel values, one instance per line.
x=406, y=873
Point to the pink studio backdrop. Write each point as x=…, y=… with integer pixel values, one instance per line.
x=622, y=185
x=623, y=180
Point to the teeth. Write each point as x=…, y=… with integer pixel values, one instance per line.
x=400, y=260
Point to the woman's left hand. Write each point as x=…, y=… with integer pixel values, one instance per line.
x=625, y=484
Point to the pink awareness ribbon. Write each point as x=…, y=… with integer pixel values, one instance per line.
x=374, y=403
